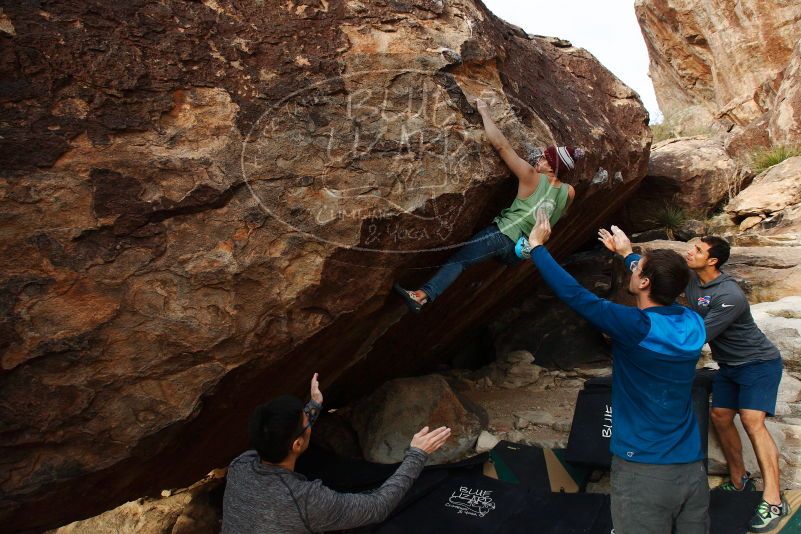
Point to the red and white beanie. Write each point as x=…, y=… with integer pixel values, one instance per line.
x=562, y=159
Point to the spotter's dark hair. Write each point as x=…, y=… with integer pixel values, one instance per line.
x=668, y=274
x=274, y=426
x=719, y=249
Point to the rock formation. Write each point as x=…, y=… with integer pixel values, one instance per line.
x=772, y=204
x=387, y=419
x=713, y=59
x=192, y=510
x=785, y=121
x=781, y=322
x=692, y=174
x=205, y=202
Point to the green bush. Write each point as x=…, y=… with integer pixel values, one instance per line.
x=671, y=218
x=670, y=128
x=767, y=158
x=662, y=131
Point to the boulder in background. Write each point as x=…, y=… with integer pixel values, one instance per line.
x=386, y=420
x=781, y=322
x=692, y=175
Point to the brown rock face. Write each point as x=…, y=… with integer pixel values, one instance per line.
x=772, y=201
x=716, y=58
x=387, y=419
x=203, y=203
x=694, y=174
x=776, y=189
x=785, y=122
x=185, y=511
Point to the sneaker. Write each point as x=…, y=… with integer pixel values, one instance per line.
x=408, y=297
x=746, y=484
x=767, y=516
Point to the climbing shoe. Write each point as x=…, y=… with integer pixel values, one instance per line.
x=746, y=482
x=768, y=515
x=413, y=304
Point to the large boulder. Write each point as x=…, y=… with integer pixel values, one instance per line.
x=771, y=195
x=742, y=142
x=768, y=212
x=387, y=419
x=716, y=59
x=692, y=174
x=514, y=369
x=203, y=203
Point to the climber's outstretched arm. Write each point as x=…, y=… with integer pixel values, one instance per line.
x=526, y=174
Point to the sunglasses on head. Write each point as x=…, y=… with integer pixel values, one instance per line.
x=535, y=155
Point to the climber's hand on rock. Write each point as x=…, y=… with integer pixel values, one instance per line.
x=316, y=394
x=431, y=441
x=481, y=106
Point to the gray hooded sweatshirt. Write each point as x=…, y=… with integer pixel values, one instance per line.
x=731, y=332
x=267, y=499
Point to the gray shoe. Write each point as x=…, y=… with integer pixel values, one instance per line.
x=767, y=516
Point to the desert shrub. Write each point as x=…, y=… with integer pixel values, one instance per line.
x=669, y=128
x=662, y=132
x=669, y=217
x=766, y=158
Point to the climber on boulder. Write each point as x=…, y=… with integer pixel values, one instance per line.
x=264, y=494
x=539, y=188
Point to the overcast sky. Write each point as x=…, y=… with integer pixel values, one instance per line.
x=607, y=28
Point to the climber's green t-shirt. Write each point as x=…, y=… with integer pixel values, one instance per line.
x=518, y=219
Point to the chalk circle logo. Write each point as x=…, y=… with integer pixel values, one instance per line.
x=363, y=161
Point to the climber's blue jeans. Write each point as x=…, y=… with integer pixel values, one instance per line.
x=487, y=244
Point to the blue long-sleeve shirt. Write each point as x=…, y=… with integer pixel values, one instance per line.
x=655, y=352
